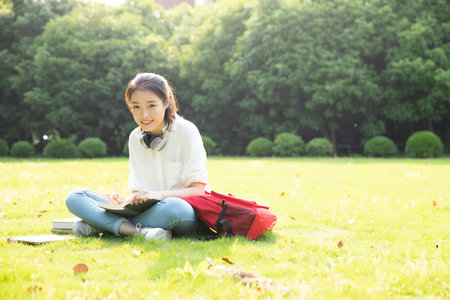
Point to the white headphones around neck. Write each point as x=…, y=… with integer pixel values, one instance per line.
x=156, y=143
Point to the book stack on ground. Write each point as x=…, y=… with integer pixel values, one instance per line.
x=64, y=225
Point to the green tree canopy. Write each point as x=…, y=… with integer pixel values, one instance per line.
x=79, y=82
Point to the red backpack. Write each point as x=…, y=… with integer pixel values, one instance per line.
x=230, y=215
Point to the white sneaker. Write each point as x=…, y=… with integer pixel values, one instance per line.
x=151, y=233
x=82, y=228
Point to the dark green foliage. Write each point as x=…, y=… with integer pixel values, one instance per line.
x=4, y=149
x=319, y=147
x=209, y=144
x=288, y=144
x=424, y=144
x=345, y=70
x=22, y=149
x=380, y=146
x=125, y=150
x=60, y=148
x=208, y=92
x=260, y=147
x=92, y=147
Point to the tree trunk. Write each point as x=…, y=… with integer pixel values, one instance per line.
x=329, y=134
x=430, y=124
x=333, y=140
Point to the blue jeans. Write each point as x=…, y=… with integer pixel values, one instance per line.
x=171, y=213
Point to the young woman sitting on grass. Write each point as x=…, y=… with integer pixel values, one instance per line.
x=167, y=162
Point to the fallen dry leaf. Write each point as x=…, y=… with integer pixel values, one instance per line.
x=11, y=240
x=43, y=211
x=340, y=244
x=258, y=282
x=292, y=218
x=282, y=194
x=434, y=203
x=227, y=260
x=39, y=215
x=80, y=268
x=242, y=275
x=34, y=288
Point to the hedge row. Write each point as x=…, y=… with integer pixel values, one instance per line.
x=57, y=148
x=289, y=144
x=420, y=144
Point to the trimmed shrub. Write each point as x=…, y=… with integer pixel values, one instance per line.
x=4, y=149
x=22, y=149
x=125, y=150
x=92, y=147
x=288, y=144
x=380, y=146
x=209, y=144
x=424, y=144
x=319, y=147
x=60, y=148
x=260, y=147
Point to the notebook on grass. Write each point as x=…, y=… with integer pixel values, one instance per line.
x=129, y=210
x=39, y=239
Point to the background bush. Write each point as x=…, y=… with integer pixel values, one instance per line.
x=260, y=147
x=319, y=147
x=3, y=147
x=209, y=144
x=424, y=144
x=288, y=144
x=92, y=147
x=380, y=146
x=22, y=149
x=60, y=148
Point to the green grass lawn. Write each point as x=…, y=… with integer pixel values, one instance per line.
x=392, y=216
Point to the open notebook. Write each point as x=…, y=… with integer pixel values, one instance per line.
x=129, y=210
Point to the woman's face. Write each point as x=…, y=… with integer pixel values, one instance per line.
x=148, y=111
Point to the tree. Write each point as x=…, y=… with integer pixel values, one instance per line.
x=418, y=70
x=211, y=95
x=80, y=72
x=306, y=64
x=21, y=22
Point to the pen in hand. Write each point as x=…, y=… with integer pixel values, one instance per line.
x=118, y=194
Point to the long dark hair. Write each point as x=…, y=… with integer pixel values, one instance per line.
x=158, y=85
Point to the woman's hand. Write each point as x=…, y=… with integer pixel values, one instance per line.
x=144, y=195
x=116, y=199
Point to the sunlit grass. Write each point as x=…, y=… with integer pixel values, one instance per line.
x=396, y=242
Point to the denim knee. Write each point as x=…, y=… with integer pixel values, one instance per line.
x=71, y=198
x=176, y=208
